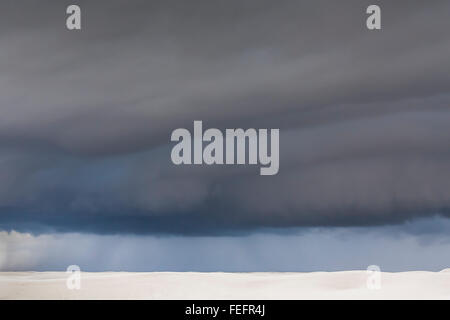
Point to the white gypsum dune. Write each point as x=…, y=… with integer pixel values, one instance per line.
x=192, y=285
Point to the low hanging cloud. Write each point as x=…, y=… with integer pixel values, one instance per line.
x=421, y=245
x=87, y=116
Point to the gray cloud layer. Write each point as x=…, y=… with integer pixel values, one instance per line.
x=314, y=249
x=86, y=116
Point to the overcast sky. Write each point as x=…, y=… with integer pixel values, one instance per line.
x=364, y=119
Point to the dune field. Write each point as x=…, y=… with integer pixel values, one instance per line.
x=193, y=285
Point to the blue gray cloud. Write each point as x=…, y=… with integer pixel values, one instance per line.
x=86, y=116
x=299, y=249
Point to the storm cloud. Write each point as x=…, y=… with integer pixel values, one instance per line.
x=419, y=245
x=86, y=116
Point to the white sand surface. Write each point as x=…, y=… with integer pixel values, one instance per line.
x=192, y=285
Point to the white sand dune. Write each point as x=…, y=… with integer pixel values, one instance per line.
x=192, y=285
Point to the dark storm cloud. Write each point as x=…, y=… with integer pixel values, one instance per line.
x=311, y=249
x=86, y=116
